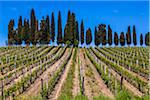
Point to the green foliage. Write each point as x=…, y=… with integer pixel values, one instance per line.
x=80, y=97
x=101, y=97
x=123, y=95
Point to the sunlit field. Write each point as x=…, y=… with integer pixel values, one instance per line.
x=64, y=73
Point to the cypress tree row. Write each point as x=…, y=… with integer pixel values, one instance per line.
x=82, y=32
x=147, y=39
x=141, y=39
x=134, y=36
x=88, y=36
x=128, y=36
x=109, y=35
x=52, y=28
x=59, y=36
x=116, y=38
x=122, y=39
x=30, y=33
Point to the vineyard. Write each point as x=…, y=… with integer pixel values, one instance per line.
x=73, y=73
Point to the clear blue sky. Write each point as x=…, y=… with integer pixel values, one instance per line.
x=117, y=14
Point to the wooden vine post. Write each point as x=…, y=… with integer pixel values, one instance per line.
x=2, y=94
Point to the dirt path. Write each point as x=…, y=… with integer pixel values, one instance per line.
x=35, y=88
x=94, y=85
x=88, y=76
x=129, y=86
x=76, y=83
x=55, y=94
x=105, y=91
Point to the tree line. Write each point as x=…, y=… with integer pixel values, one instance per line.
x=33, y=32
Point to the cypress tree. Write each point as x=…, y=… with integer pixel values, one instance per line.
x=68, y=35
x=26, y=34
x=88, y=36
x=33, y=27
x=11, y=32
x=74, y=28
x=82, y=32
x=122, y=39
x=19, y=40
x=37, y=33
x=97, y=36
x=53, y=27
x=102, y=30
x=128, y=36
x=59, y=37
x=77, y=31
x=77, y=35
x=116, y=38
x=43, y=36
x=47, y=30
x=134, y=36
x=109, y=35
x=147, y=39
x=141, y=39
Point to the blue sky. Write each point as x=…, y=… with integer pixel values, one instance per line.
x=117, y=14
